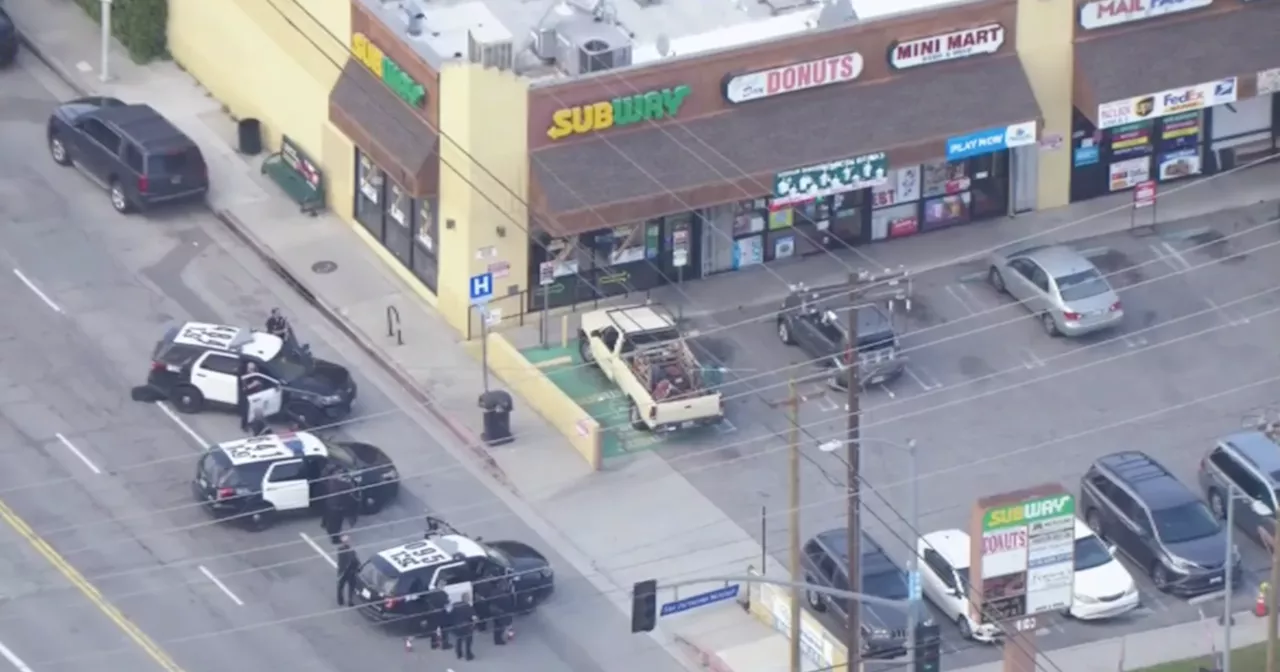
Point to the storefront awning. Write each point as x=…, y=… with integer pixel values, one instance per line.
x=1133, y=63
x=399, y=141
x=586, y=185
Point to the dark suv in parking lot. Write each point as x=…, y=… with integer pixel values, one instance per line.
x=1244, y=469
x=825, y=562
x=130, y=150
x=1134, y=502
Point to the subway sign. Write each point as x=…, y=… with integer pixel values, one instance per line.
x=623, y=111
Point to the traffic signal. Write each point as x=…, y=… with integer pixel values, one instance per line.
x=928, y=648
x=644, y=606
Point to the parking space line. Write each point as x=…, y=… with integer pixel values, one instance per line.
x=826, y=405
x=725, y=426
x=919, y=381
x=35, y=289
x=1207, y=597
x=221, y=586
x=1228, y=316
x=1164, y=257
x=951, y=290
x=1134, y=341
x=888, y=391
x=13, y=659
x=1030, y=360
x=182, y=424
x=76, y=451
x=316, y=547
x=968, y=291
x=1173, y=251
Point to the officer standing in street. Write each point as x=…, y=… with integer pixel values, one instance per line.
x=502, y=608
x=331, y=512
x=438, y=618
x=348, y=567
x=464, y=624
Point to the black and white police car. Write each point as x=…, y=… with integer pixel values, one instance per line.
x=197, y=366
x=392, y=584
x=256, y=478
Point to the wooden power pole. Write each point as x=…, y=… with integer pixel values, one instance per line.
x=793, y=509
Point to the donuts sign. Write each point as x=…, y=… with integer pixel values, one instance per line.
x=836, y=69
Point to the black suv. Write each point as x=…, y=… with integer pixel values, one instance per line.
x=130, y=150
x=825, y=562
x=8, y=40
x=816, y=320
x=1244, y=469
x=1134, y=502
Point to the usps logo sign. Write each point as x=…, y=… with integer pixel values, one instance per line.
x=952, y=46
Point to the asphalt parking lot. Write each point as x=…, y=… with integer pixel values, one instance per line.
x=996, y=405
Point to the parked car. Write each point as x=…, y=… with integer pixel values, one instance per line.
x=825, y=561
x=132, y=151
x=816, y=320
x=1102, y=587
x=1059, y=285
x=944, y=579
x=1244, y=469
x=8, y=40
x=1134, y=502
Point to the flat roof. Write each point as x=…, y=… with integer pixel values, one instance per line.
x=508, y=31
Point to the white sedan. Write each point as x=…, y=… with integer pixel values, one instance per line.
x=1103, y=587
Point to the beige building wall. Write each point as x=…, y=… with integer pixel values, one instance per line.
x=484, y=187
x=276, y=61
x=1046, y=29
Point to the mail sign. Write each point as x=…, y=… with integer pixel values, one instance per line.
x=836, y=69
x=991, y=140
x=1106, y=13
x=949, y=47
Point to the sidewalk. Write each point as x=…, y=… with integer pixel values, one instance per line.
x=658, y=525
x=671, y=532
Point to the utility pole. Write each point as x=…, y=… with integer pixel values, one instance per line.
x=1229, y=564
x=1270, y=596
x=793, y=490
x=853, y=457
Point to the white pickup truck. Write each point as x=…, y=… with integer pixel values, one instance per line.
x=641, y=350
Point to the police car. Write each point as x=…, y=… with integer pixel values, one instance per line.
x=258, y=477
x=392, y=584
x=198, y=366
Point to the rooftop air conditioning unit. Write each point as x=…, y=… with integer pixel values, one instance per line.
x=586, y=46
x=498, y=54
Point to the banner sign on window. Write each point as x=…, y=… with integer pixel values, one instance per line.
x=807, y=184
x=1172, y=101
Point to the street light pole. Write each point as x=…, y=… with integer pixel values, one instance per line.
x=913, y=516
x=1227, y=568
x=104, y=69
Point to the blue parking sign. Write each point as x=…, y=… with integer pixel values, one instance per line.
x=481, y=288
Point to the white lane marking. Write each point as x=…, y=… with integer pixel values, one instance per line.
x=911, y=371
x=76, y=451
x=826, y=405
x=889, y=392
x=17, y=663
x=217, y=582
x=1207, y=597
x=951, y=290
x=1035, y=361
x=1233, y=321
x=32, y=286
x=316, y=547
x=182, y=424
x=911, y=374
x=968, y=291
x=1173, y=252
x=1164, y=257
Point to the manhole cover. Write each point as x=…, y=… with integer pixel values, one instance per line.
x=323, y=267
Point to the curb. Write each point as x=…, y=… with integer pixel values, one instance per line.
x=48, y=62
x=472, y=443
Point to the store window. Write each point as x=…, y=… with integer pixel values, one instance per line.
x=426, y=244
x=990, y=185
x=751, y=218
x=895, y=204
x=945, y=187
x=369, y=194
x=397, y=234
x=1178, y=147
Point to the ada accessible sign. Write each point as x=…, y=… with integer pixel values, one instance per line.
x=949, y=47
x=1106, y=13
x=807, y=184
x=1173, y=101
x=836, y=69
x=624, y=111
x=991, y=140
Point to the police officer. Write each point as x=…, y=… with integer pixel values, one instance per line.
x=331, y=510
x=348, y=568
x=438, y=617
x=464, y=624
x=502, y=609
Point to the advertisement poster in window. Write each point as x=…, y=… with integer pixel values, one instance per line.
x=1131, y=140
x=904, y=218
x=627, y=245
x=781, y=219
x=946, y=211
x=942, y=178
x=1127, y=174
x=397, y=206
x=902, y=186
x=370, y=179
x=1269, y=81
x=748, y=218
x=1178, y=146
x=784, y=247
x=748, y=252
x=903, y=226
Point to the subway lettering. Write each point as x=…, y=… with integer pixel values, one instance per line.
x=623, y=111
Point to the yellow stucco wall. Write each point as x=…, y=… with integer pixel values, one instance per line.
x=484, y=184
x=1045, y=33
x=274, y=60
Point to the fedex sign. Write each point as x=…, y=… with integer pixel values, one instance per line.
x=1106, y=13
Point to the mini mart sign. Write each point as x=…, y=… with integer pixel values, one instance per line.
x=1106, y=13
x=949, y=47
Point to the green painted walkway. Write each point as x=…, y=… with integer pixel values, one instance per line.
x=596, y=395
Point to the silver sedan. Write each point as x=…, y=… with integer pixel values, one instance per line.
x=1059, y=285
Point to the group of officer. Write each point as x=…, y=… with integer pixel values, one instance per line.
x=494, y=606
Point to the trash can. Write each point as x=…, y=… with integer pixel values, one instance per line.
x=497, y=417
x=250, y=136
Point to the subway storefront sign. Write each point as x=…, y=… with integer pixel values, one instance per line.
x=623, y=111
x=387, y=70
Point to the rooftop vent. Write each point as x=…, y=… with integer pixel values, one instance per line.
x=490, y=53
x=413, y=18
x=585, y=46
